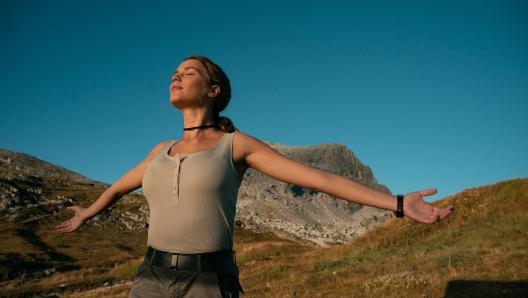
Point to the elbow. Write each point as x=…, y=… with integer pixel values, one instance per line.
x=115, y=193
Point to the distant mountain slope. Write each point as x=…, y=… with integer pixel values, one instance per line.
x=481, y=250
x=264, y=204
x=31, y=188
x=10, y=160
x=293, y=212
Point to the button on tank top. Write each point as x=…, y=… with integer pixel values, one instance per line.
x=192, y=201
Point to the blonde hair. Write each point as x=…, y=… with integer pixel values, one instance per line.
x=218, y=77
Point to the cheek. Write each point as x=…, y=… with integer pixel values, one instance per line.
x=198, y=86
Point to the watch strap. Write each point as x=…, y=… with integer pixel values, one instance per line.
x=399, y=206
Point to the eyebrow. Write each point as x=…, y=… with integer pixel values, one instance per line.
x=186, y=68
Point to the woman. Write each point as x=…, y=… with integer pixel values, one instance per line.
x=191, y=186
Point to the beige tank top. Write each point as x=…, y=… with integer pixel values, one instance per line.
x=192, y=201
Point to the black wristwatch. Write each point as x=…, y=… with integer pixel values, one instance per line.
x=399, y=206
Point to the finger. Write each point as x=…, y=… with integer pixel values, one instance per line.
x=438, y=214
x=62, y=225
x=66, y=223
x=445, y=212
x=428, y=192
x=64, y=229
x=431, y=219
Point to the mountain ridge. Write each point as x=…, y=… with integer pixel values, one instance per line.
x=28, y=163
x=264, y=204
x=478, y=251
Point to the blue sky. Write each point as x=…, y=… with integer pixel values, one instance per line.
x=426, y=93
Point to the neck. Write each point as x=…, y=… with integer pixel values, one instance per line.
x=195, y=121
x=197, y=117
x=200, y=127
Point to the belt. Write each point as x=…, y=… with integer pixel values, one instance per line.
x=222, y=262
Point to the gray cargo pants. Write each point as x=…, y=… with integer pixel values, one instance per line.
x=153, y=281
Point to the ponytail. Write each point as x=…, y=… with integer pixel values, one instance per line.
x=224, y=124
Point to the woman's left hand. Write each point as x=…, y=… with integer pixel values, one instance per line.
x=416, y=208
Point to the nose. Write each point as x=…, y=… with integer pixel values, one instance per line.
x=176, y=77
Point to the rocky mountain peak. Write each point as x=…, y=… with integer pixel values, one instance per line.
x=29, y=190
x=293, y=212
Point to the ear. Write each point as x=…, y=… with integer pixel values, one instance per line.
x=214, y=91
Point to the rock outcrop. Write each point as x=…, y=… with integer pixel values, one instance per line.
x=31, y=188
x=293, y=212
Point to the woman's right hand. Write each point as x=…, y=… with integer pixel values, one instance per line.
x=73, y=223
x=130, y=181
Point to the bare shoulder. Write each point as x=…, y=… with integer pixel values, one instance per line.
x=251, y=150
x=243, y=146
x=247, y=143
x=242, y=136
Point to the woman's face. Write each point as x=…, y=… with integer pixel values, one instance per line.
x=190, y=84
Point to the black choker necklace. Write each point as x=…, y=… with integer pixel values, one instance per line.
x=199, y=127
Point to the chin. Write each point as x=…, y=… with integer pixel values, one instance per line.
x=175, y=104
x=175, y=99
x=178, y=103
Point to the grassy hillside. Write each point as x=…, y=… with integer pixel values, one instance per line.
x=481, y=250
x=478, y=251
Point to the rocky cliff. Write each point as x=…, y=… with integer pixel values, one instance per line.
x=293, y=212
x=31, y=188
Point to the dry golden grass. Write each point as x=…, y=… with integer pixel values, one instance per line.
x=481, y=250
x=478, y=251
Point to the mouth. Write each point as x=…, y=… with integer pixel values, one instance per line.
x=174, y=88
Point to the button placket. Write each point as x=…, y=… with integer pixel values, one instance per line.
x=176, y=179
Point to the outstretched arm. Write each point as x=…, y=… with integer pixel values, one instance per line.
x=129, y=182
x=261, y=157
